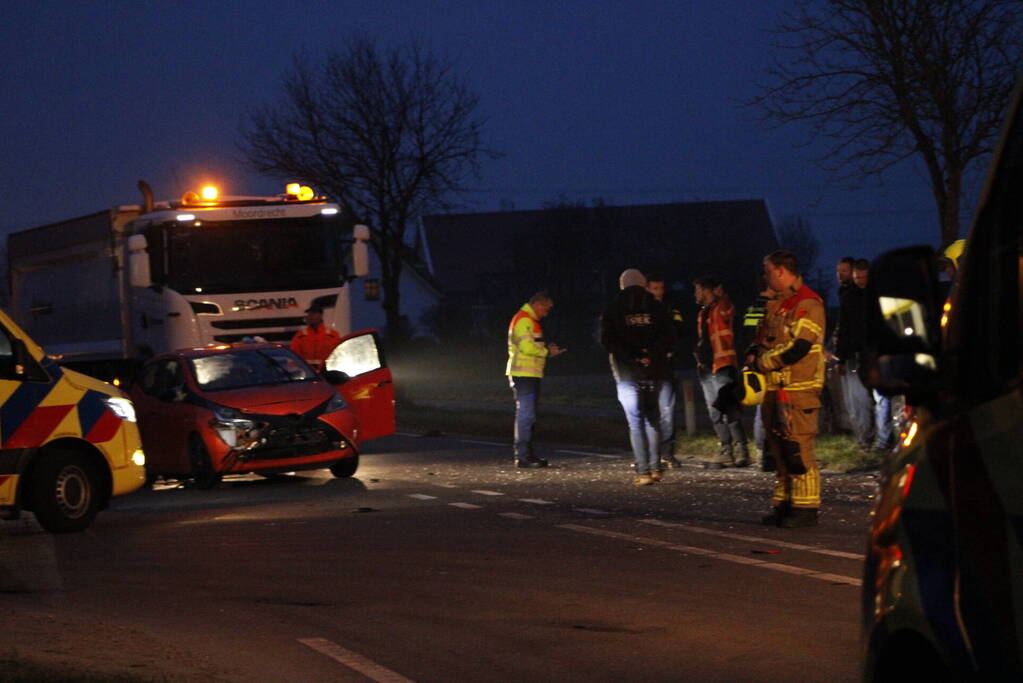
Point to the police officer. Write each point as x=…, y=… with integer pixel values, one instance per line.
x=791, y=357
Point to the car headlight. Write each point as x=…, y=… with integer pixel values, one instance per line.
x=228, y=424
x=336, y=403
x=121, y=407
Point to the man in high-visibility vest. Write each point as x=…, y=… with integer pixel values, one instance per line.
x=314, y=342
x=528, y=352
x=791, y=356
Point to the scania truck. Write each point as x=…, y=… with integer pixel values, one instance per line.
x=103, y=291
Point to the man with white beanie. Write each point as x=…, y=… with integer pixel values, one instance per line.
x=638, y=335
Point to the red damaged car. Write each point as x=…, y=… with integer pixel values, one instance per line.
x=259, y=408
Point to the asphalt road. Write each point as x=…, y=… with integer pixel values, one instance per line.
x=441, y=562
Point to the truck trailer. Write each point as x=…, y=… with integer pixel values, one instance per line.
x=104, y=291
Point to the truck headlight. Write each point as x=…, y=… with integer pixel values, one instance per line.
x=121, y=407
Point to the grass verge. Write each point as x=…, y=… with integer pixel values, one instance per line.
x=837, y=452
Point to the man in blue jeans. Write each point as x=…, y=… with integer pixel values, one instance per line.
x=638, y=335
x=528, y=352
x=668, y=390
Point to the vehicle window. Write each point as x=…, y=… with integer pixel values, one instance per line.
x=160, y=377
x=147, y=380
x=355, y=356
x=250, y=367
x=6, y=355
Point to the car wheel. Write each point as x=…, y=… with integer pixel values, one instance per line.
x=65, y=492
x=345, y=468
x=204, y=477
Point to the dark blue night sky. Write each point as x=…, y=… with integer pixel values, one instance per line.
x=634, y=102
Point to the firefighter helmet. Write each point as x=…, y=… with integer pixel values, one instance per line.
x=954, y=251
x=753, y=388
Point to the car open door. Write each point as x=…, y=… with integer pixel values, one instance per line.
x=370, y=389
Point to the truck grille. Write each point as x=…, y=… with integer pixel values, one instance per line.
x=257, y=322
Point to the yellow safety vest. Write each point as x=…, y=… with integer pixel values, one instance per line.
x=527, y=352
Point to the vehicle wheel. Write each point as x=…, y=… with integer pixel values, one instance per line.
x=65, y=492
x=345, y=468
x=203, y=475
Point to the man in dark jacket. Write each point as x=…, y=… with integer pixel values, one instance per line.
x=668, y=391
x=849, y=339
x=638, y=335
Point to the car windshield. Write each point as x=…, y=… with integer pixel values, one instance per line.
x=249, y=368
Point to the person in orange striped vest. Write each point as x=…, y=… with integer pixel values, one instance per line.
x=791, y=356
x=528, y=352
x=717, y=366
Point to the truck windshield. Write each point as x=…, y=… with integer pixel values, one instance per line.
x=253, y=256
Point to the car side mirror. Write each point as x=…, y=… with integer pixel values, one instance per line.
x=336, y=377
x=903, y=326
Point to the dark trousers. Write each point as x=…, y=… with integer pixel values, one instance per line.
x=527, y=395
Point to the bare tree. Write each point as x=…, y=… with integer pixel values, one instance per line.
x=884, y=80
x=387, y=133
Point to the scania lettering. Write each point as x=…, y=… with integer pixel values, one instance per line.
x=256, y=304
x=103, y=291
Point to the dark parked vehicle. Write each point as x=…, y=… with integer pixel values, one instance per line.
x=943, y=583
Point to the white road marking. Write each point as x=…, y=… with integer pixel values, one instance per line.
x=727, y=557
x=421, y=496
x=514, y=515
x=756, y=539
x=484, y=443
x=466, y=506
x=405, y=434
x=537, y=501
x=595, y=455
x=591, y=511
x=354, y=661
x=484, y=492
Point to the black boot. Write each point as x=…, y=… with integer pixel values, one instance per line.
x=740, y=451
x=799, y=518
x=778, y=515
x=722, y=459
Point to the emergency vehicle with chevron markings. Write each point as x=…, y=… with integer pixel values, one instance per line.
x=68, y=442
x=108, y=289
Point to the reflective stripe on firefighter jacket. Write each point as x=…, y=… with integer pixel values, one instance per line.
x=718, y=318
x=800, y=316
x=527, y=352
x=315, y=345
